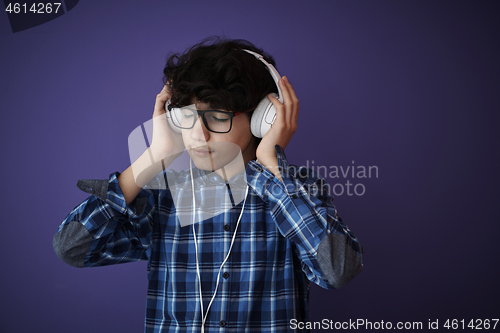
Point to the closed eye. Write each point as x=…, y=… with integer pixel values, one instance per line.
x=219, y=120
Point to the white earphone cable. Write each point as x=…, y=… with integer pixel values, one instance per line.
x=196, y=245
x=204, y=315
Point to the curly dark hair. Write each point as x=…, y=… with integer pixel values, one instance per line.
x=216, y=71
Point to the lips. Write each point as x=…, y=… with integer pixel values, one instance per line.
x=201, y=151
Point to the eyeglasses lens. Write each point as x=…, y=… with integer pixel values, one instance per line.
x=216, y=121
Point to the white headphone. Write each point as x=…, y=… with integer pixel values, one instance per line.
x=263, y=116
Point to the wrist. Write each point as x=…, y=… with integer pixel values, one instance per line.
x=155, y=154
x=145, y=168
x=271, y=163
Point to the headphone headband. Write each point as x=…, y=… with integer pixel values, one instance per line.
x=272, y=70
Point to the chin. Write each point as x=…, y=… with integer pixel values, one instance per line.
x=204, y=162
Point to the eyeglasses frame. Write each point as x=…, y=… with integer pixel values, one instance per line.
x=202, y=114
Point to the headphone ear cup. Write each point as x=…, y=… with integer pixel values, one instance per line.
x=173, y=117
x=263, y=117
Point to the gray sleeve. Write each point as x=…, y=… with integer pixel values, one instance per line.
x=72, y=243
x=99, y=188
x=338, y=260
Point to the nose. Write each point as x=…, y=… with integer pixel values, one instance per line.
x=199, y=132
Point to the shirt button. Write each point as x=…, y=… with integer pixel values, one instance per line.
x=222, y=323
x=294, y=196
x=225, y=275
x=259, y=169
x=227, y=227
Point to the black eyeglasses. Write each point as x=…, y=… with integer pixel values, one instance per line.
x=215, y=121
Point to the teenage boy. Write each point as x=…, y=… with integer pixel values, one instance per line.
x=267, y=247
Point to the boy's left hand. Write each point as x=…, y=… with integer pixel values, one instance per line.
x=283, y=128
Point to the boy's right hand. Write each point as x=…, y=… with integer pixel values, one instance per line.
x=165, y=144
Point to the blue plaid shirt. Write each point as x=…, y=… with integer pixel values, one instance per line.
x=289, y=235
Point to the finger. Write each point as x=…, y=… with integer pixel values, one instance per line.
x=159, y=107
x=161, y=99
x=291, y=91
x=296, y=117
x=287, y=101
x=165, y=91
x=295, y=100
x=280, y=112
x=284, y=91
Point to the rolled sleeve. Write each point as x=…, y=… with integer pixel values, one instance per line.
x=103, y=229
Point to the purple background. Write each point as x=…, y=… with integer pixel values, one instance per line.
x=411, y=87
